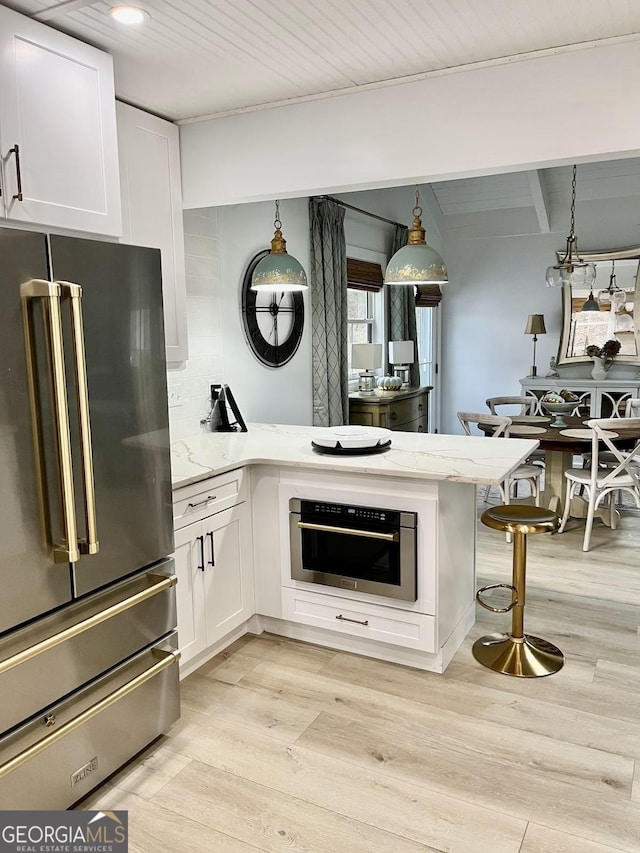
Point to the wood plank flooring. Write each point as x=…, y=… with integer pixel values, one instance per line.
x=284, y=746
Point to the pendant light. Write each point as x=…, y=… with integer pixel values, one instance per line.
x=416, y=263
x=613, y=295
x=591, y=304
x=572, y=269
x=278, y=271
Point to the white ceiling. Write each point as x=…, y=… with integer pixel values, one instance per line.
x=210, y=57
x=206, y=57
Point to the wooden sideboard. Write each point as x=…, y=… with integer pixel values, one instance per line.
x=406, y=410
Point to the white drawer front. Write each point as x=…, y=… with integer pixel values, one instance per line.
x=383, y=624
x=213, y=495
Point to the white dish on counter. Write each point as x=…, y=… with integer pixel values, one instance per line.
x=352, y=436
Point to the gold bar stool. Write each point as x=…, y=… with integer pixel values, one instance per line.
x=517, y=653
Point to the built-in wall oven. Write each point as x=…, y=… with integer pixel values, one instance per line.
x=360, y=548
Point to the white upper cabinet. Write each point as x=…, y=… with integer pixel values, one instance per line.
x=149, y=153
x=57, y=130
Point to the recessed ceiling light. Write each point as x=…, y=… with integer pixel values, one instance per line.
x=130, y=15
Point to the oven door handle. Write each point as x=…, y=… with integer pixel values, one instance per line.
x=367, y=534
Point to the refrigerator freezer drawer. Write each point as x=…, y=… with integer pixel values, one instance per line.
x=48, y=659
x=52, y=762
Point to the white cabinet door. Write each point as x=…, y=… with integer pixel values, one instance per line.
x=192, y=629
x=228, y=581
x=57, y=129
x=152, y=209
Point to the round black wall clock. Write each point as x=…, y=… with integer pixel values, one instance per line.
x=273, y=322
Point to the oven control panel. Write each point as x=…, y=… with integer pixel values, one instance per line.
x=345, y=512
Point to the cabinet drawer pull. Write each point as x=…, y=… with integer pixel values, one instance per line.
x=16, y=151
x=356, y=621
x=201, y=541
x=201, y=503
x=212, y=561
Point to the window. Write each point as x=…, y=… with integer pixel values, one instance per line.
x=364, y=305
x=360, y=319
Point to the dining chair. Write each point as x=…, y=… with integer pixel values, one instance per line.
x=500, y=425
x=526, y=402
x=528, y=405
x=606, y=459
x=602, y=483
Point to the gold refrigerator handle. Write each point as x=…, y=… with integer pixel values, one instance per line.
x=166, y=660
x=367, y=534
x=73, y=292
x=90, y=622
x=49, y=293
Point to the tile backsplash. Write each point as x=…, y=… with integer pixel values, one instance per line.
x=191, y=380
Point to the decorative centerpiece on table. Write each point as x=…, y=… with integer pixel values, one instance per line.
x=603, y=357
x=559, y=404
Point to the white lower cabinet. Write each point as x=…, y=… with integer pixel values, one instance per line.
x=374, y=622
x=214, y=566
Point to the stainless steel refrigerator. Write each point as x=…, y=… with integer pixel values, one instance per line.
x=88, y=651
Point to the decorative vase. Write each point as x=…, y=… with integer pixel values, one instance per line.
x=599, y=371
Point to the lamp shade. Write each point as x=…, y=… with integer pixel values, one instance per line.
x=278, y=271
x=416, y=263
x=366, y=356
x=535, y=325
x=401, y=352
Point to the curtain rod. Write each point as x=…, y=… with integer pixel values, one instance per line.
x=360, y=210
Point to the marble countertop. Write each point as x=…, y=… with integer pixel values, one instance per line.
x=421, y=456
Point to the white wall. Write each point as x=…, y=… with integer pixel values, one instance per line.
x=500, y=118
x=495, y=283
x=264, y=394
x=193, y=378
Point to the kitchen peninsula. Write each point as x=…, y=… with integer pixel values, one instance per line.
x=232, y=507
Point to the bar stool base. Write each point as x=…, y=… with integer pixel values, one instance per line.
x=530, y=657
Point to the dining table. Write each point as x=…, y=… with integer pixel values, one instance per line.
x=560, y=446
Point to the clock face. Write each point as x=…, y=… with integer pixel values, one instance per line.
x=273, y=322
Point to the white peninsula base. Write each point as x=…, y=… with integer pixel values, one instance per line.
x=231, y=509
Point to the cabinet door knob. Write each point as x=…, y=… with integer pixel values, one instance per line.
x=393, y=416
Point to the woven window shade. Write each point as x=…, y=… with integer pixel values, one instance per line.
x=428, y=295
x=363, y=275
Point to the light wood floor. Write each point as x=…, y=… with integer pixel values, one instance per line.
x=284, y=746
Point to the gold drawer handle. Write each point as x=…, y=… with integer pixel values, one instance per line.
x=355, y=621
x=367, y=534
x=91, y=622
x=166, y=660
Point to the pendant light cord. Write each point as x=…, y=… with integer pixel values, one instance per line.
x=573, y=205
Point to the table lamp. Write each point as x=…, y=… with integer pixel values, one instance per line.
x=535, y=327
x=401, y=355
x=366, y=358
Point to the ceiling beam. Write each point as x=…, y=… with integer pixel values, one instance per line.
x=60, y=9
x=539, y=194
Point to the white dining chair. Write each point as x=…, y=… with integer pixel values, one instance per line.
x=602, y=483
x=526, y=402
x=500, y=428
x=528, y=405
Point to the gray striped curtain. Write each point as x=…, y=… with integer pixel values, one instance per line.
x=402, y=309
x=328, y=313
